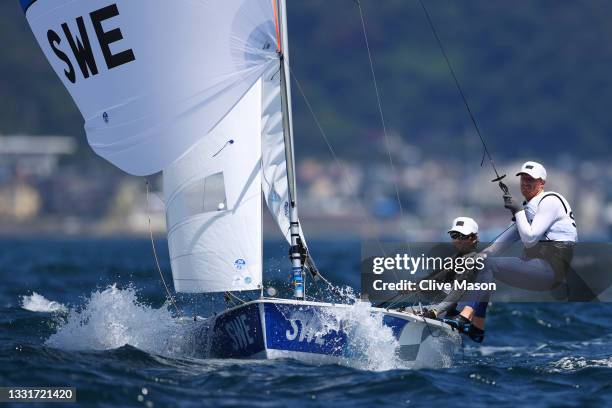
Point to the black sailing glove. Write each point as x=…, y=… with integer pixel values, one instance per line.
x=512, y=205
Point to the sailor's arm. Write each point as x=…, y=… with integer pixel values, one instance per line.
x=547, y=214
x=504, y=241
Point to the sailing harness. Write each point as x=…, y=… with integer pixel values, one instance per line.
x=558, y=254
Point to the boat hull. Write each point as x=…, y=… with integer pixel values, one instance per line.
x=324, y=333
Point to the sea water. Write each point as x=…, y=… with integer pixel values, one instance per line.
x=93, y=314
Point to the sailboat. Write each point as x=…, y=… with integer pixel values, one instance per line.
x=200, y=90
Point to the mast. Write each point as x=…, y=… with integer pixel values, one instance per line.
x=283, y=52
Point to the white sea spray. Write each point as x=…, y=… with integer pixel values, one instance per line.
x=114, y=317
x=38, y=303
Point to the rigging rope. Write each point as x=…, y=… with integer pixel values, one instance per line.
x=168, y=294
x=229, y=295
x=332, y=151
x=380, y=109
x=356, y=202
x=382, y=118
x=463, y=97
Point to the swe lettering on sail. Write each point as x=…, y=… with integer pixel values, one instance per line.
x=80, y=45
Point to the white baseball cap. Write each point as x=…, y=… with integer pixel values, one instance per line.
x=464, y=225
x=534, y=169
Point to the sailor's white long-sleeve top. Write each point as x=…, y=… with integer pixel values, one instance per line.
x=546, y=217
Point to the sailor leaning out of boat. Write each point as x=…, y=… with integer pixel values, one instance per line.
x=545, y=225
x=464, y=235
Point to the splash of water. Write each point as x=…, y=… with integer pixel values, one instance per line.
x=38, y=303
x=114, y=317
x=371, y=344
x=577, y=363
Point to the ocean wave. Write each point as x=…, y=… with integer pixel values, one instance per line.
x=114, y=317
x=486, y=351
x=578, y=363
x=38, y=303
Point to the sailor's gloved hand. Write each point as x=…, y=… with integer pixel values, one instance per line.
x=512, y=205
x=427, y=313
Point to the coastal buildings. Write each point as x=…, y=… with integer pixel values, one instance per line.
x=46, y=189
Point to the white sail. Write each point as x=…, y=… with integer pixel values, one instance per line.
x=151, y=77
x=274, y=165
x=213, y=205
x=165, y=85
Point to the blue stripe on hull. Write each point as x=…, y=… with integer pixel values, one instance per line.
x=237, y=334
x=307, y=329
x=299, y=328
x=294, y=328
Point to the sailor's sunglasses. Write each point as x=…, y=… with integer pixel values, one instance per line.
x=458, y=236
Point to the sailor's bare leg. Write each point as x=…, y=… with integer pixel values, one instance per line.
x=468, y=313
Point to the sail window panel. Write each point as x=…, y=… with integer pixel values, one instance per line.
x=200, y=196
x=214, y=198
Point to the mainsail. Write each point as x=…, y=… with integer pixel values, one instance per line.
x=213, y=205
x=198, y=90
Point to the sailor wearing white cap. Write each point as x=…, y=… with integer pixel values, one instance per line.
x=464, y=233
x=464, y=225
x=533, y=169
x=545, y=216
x=545, y=225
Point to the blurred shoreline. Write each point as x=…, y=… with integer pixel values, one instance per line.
x=43, y=191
